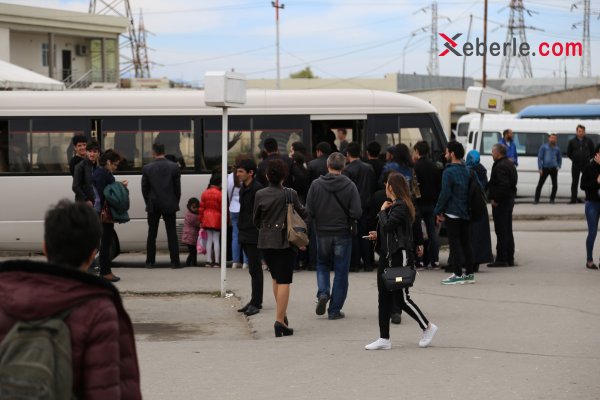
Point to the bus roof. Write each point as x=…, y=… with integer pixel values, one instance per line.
x=185, y=102
x=553, y=111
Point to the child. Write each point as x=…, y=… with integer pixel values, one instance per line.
x=209, y=216
x=191, y=226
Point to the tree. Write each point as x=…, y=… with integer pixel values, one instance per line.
x=306, y=73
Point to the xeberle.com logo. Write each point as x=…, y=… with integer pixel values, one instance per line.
x=479, y=48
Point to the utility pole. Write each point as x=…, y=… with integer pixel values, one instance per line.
x=585, y=68
x=465, y=58
x=277, y=7
x=485, y=18
x=516, y=27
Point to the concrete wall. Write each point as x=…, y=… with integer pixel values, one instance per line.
x=580, y=95
x=4, y=44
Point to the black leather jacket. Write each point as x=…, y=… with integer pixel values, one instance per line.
x=82, y=181
x=395, y=229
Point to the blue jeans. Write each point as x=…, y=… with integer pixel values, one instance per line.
x=236, y=248
x=333, y=251
x=592, y=214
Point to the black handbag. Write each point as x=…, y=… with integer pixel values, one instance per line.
x=398, y=278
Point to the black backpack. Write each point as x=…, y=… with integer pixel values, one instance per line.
x=477, y=198
x=35, y=360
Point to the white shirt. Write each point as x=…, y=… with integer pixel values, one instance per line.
x=233, y=194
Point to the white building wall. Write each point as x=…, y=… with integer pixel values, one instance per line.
x=27, y=52
x=5, y=44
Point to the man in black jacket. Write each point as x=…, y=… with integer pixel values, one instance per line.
x=332, y=202
x=429, y=177
x=318, y=166
x=272, y=149
x=79, y=147
x=373, y=150
x=580, y=151
x=161, y=188
x=82, y=175
x=363, y=176
x=502, y=190
x=248, y=234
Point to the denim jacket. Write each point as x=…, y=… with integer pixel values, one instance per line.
x=454, y=196
x=549, y=157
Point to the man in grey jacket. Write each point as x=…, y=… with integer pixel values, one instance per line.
x=333, y=203
x=161, y=188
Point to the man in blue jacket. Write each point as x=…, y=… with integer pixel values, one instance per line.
x=453, y=208
x=549, y=162
x=508, y=141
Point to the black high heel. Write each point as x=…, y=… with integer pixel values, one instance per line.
x=285, y=321
x=282, y=330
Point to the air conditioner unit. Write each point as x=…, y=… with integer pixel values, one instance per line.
x=81, y=50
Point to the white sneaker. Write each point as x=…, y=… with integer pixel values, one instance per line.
x=245, y=266
x=379, y=344
x=428, y=335
x=235, y=265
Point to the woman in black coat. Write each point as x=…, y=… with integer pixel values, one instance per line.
x=481, y=241
x=395, y=240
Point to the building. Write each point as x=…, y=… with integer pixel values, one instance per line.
x=72, y=47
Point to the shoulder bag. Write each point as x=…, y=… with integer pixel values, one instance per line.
x=351, y=221
x=297, y=232
x=399, y=277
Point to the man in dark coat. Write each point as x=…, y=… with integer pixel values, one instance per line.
x=502, y=190
x=272, y=149
x=318, y=166
x=373, y=150
x=79, y=146
x=104, y=357
x=248, y=233
x=580, y=151
x=363, y=176
x=82, y=175
x=161, y=188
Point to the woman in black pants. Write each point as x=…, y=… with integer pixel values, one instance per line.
x=395, y=241
x=270, y=215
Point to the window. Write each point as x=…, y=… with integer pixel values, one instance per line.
x=122, y=135
x=44, y=54
x=527, y=143
x=176, y=134
x=390, y=130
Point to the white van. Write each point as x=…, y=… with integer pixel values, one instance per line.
x=462, y=125
x=529, y=135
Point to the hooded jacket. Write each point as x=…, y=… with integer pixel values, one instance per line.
x=209, y=212
x=104, y=356
x=323, y=208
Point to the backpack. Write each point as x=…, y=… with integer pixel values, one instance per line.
x=35, y=360
x=477, y=199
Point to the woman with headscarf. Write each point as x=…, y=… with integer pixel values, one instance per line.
x=481, y=242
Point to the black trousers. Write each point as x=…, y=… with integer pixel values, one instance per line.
x=553, y=172
x=505, y=246
x=576, y=170
x=460, y=245
x=192, y=258
x=400, y=298
x=153, y=220
x=256, y=273
x=108, y=230
x=361, y=248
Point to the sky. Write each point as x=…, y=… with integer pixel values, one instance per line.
x=339, y=38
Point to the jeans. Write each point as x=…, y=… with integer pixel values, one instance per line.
x=333, y=251
x=237, y=254
x=553, y=172
x=432, y=251
x=592, y=214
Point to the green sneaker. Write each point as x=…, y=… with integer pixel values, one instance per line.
x=453, y=280
x=469, y=278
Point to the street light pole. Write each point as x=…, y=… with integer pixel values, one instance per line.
x=412, y=35
x=277, y=7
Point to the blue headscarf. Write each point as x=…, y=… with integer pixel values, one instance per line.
x=472, y=158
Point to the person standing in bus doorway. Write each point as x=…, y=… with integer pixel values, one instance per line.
x=248, y=233
x=590, y=182
x=79, y=146
x=549, y=162
x=507, y=140
x=363, y=176
x=452, y=207
x=372, y=154
x=161, y=188
x=332, y=203
x=502, y=190
x=340, y=135
x=82, y=177
x=580, y=150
